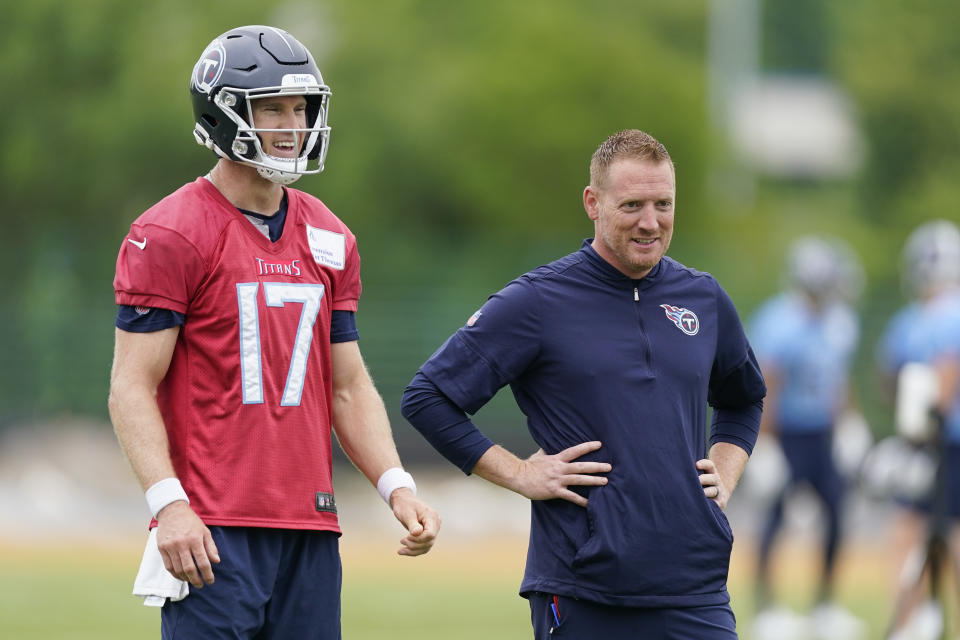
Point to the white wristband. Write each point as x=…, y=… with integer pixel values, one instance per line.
x=392, y=479
x=163, y=493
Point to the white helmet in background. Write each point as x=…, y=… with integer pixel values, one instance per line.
x=931, y=258
x=824, y=268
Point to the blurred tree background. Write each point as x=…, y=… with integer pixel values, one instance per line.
x=462, y=133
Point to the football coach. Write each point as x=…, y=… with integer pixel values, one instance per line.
x=613, y=353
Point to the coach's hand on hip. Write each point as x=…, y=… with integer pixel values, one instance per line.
x=712, y=483
x=542, y=476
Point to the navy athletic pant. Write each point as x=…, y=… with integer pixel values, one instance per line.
x=583, y=620
x=811, y=460
x=924, y=504
x=270, y=584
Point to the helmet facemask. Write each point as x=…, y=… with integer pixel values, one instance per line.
x=247, y=147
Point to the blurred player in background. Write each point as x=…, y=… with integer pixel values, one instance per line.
x=805, y=339
x=927, y=331
x=236, y=354
x=612, y=353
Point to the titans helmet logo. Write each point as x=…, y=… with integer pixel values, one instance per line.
x=209, y=67
x=686, y=320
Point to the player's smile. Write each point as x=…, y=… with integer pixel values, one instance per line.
x=283, y=148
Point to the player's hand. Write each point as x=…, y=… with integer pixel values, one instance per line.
x=185, y=544
x=712, y=484
x=420, y=520
x=545, y=477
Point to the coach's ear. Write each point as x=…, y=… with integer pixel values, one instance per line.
x=591, y=202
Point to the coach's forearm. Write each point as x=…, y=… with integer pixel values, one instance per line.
x=502, y=468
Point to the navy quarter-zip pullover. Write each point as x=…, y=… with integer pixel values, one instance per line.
x=591, y=354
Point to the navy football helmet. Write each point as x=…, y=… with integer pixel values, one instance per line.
x=253, y=62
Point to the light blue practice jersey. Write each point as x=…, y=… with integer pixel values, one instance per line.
x=811, y=352
x=924, y=332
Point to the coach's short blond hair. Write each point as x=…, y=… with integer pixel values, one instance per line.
x=629, y=143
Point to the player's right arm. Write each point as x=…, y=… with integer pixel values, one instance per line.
x=140, y=362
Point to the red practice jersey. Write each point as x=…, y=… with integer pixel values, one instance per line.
x=247, y=398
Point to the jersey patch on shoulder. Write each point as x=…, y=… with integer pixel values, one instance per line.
x=473, y=319
x=328, y=248
x=686, y=320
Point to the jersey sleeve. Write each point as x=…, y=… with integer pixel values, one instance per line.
x=147, y=319
x=157, y=267
x=737, y=426
x=496, y=346
x=889, y=353
x=735, y=381
x=443, y=424
x=343, y=327
x=947, y=339
x=736, y=388
x=347, y=295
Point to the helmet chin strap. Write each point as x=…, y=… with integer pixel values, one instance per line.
x=279, y=177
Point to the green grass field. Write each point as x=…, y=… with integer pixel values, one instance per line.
x=461, y=590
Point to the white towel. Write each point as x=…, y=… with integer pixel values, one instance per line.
x=153, y=582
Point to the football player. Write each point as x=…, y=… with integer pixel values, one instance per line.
x=805, y=338
x=927, y=331
x=236, y=354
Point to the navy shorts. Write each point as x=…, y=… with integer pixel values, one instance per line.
x=270, y=583
x=924, y=504
x=581, y=620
